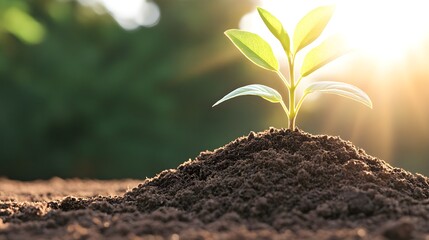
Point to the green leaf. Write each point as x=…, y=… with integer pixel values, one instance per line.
x=311, y=26
x=254, y=48
x=339, y=88
x=276, y=28
x=262, y=91
x=327, y=51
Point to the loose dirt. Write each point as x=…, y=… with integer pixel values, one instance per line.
x=277, y=184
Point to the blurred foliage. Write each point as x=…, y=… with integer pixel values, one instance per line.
x=15, y=20
x=81, y=97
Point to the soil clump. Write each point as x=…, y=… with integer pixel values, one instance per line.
x=277, y=184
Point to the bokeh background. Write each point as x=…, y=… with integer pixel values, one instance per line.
x=123, y=89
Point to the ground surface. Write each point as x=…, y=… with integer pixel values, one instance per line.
x=276, y=184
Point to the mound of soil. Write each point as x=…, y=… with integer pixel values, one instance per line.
x=277, y=184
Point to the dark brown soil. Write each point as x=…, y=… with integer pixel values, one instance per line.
x=276, y=184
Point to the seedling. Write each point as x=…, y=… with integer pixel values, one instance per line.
x=308, y=29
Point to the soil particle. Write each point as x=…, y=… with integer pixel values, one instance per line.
x=401, y=229
x=277, y=184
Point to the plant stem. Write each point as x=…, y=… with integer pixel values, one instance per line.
x=299, y=80
x=292, y=88
x=298, y=106
x=285, y=108
x=283, y=79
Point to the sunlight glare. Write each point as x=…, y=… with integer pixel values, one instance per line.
x=130, y=14
x=384, y=29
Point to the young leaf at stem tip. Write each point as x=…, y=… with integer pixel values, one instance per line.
x=254, y=48
x=339, y=88
x=262, y=91
x=330, y=49
x=276, y=28
x=311, y=26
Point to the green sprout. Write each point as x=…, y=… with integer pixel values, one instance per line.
x=309, y=28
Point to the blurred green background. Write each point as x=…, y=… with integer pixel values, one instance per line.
x=84, y=96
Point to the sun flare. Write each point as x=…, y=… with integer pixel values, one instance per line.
x=384, y=29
